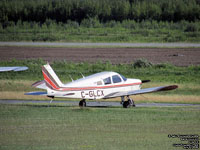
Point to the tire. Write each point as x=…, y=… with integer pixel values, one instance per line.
x=126, y=104
x=82, y=103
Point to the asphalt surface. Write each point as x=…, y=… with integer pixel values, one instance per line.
x=93, y=103
x=100, y=44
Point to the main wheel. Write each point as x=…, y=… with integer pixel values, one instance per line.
x=126, y=104
x=82, y=103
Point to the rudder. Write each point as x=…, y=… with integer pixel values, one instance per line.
x=51, y=79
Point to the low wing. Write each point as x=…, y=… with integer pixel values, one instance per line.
x=3, y=69
x=142, y=91
x=36, y=93
x=40, y=85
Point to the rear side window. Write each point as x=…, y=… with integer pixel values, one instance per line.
x=116, y=79
x=99, y=83
x=107, y=80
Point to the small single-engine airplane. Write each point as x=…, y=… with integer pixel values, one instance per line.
x=101, y=85
x=15, y=68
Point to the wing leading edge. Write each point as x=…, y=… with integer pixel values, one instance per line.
x=142, y=91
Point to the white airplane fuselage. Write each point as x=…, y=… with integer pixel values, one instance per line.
x=95, y=86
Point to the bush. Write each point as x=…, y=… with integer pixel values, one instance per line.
x=91, y=22
x=129, y=24
x=73, y=24
x=142, y=63
x=191, y=28
x=112, y=24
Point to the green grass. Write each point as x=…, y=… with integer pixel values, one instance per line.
x=129, y=31
x=156, y=73
x=37, y=127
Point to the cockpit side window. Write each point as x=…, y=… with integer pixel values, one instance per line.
x=107, y=81
x=116, y=79
x=123, y=77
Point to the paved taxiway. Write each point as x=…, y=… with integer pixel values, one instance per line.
x=93, y=103
x=100, y=44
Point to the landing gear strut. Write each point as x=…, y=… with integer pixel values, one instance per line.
x=127, y=103
x=82, y=103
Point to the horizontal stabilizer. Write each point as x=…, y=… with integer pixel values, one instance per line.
x=40, y=85
x=36, y=93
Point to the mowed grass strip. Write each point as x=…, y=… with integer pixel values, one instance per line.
x=37, y=127
x=186, y=93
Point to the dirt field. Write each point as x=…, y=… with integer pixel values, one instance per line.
x=176, y=56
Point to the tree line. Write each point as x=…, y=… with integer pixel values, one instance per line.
x=102, y=10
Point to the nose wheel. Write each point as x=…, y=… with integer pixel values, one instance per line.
x=128, y=103
x=82, y=103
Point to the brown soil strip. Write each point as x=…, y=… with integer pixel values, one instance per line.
x=176, y=56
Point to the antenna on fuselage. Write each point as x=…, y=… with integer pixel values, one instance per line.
x=71, y=78
x=82, y=75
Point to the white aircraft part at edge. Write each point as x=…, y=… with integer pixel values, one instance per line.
x=4, y=69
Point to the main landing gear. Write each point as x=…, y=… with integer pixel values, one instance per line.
x=82, y=103
x=128, y=103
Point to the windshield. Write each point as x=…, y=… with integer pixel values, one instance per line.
x=123, y=77
x=116, y=79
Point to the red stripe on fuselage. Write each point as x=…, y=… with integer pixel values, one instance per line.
x=93, y=88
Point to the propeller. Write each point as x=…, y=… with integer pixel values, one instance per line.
x=145, y=81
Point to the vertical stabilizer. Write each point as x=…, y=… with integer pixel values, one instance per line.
x=51, y=79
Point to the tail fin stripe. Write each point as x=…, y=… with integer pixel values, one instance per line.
x=49, y=76
x=49, y=86
x=48, y=80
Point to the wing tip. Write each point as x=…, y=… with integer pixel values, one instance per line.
x=170, y=87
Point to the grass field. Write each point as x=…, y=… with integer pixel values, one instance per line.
x=37, y=127
x=13, y=85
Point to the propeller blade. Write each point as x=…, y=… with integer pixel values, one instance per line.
x=145, y=81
